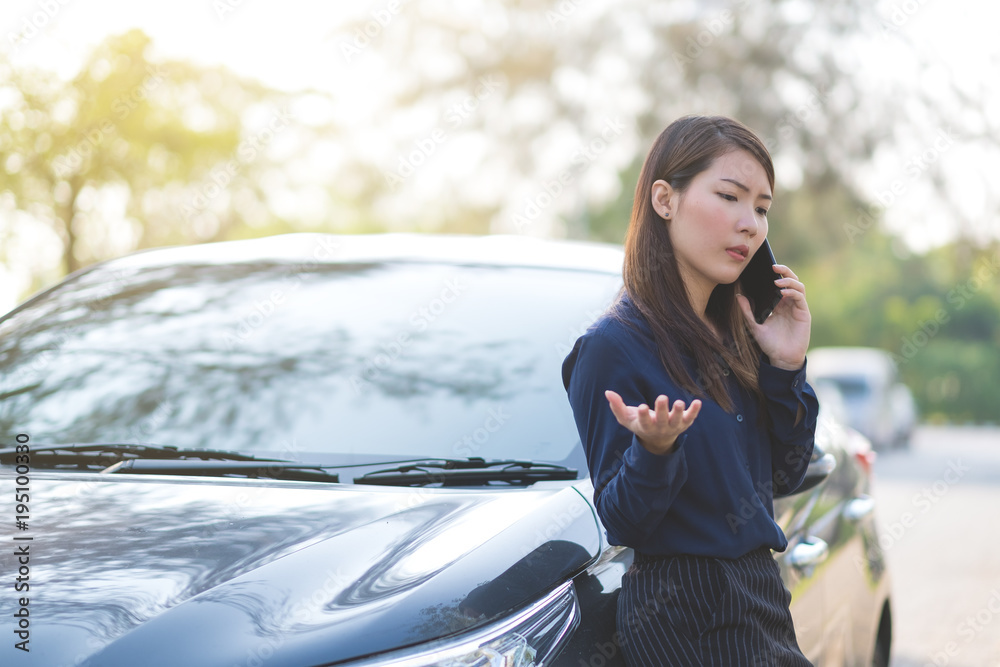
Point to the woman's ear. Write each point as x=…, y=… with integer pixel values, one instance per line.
x=664, y=199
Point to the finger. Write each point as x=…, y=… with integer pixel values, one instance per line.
x=660, y=409
x=618, y=407
x=785, y=271
x=613, y=398
x=794, y=296
x=644, y=417
x=676, y=412
x=692, y=412
x=790, y=283
x=794, y=305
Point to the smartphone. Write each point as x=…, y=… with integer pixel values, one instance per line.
x=757, y=283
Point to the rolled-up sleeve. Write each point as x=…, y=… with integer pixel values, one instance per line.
x=633, y=488
x=791, y=441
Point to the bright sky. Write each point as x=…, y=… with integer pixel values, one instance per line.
x=295, y=44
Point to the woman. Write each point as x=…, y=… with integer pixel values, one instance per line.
x=689, y=486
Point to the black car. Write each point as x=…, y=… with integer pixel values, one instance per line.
x=316, y=449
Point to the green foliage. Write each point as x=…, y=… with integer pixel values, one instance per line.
x=609, y=223
x=938, y=315
x=955, y=380
x=152, y=131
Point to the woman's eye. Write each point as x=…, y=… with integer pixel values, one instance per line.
x=727, y=197
x=762, y=211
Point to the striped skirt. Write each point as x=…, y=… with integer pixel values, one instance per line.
x=697, y=610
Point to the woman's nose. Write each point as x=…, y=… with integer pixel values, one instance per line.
x=748, y=223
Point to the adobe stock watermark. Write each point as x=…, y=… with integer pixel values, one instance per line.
x=38, y=362
x=796, y=459
x=603, y=652
x=32, y=24
x=220, y=176
x=796, y=118
x=298, y=615
x=650, y=606
x=245, y=498
x=914, y=167
x=983, y=275
x=365, y=35
x=924, y=501
x=471, y=443
x=108, y=289
x=422, y=318
x=968, y=629
x=582, y=157
x=325, y=249
x=554, y=528
x=224, y=7
x=647, y=611
x=899, y=14
x=157, y=418
x=565, y=347
x=425, y=147
x=563, y=11
x=136, y=434
x=711, y=29
x=73, y=160
x=467, y=446
x=263, y=309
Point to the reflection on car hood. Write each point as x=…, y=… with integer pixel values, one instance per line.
x=231, y=572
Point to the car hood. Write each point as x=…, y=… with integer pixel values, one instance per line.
x=183, y=571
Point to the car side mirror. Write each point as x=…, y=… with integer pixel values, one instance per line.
x=820, y=466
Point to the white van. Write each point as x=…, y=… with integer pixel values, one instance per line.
x=876, y=402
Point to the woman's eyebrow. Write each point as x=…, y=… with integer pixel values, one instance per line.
x=743, y=187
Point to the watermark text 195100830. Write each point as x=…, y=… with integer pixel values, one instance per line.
x=22, y=541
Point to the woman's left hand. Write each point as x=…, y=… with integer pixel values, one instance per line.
x=784, y=336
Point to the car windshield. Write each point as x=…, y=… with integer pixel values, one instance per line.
x=328, y=361
x=854, y=388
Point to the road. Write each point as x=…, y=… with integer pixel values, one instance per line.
x=937, y=517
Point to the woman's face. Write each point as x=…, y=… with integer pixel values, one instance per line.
x=719, y=221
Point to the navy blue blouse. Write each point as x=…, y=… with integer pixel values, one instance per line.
x=712, y=493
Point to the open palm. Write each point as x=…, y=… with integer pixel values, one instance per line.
x=656, y=429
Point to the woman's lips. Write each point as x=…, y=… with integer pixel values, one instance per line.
x=738, y=252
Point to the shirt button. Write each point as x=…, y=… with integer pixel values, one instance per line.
x=739, y=418
x=725, y=371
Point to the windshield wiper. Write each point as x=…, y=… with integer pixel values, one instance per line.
x=464, y=472
x=257, y=468
x=140, y=459
x=102, y=454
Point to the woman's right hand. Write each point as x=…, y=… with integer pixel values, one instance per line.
x=656, y=430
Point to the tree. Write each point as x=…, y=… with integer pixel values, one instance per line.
x=168, y=142
x=583, y=88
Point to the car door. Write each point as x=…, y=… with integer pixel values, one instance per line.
x=833, y=605
x=838, y=573
x=794, y=514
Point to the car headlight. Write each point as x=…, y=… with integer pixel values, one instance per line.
x=529, y=638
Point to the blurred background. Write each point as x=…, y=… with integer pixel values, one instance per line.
x=127, y=125
x=132, y=125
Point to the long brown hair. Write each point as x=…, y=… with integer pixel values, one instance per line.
x=653, y=282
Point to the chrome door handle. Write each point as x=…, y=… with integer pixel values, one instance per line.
x=810, y=551
x=858, y=508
